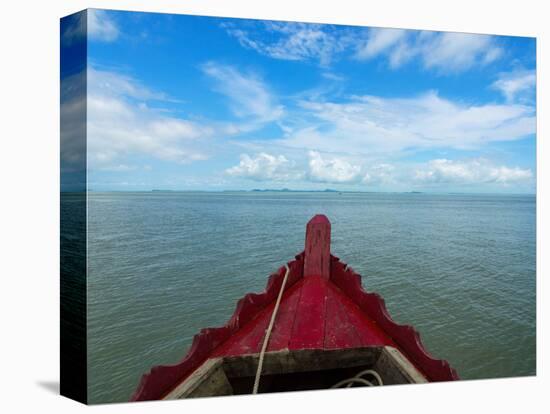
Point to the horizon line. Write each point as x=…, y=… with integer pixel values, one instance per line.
x=302, y=191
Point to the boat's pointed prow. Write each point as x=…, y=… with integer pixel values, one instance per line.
x=317, y=247
x=321, y=324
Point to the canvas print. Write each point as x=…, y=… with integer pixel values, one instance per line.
x=253, y=206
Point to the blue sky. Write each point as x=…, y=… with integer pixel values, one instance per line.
x=199, y=103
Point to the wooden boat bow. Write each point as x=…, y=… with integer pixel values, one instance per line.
x=323, y=308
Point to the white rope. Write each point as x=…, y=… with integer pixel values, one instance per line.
x=371, y=372
x=268, y=333
x=357, y=379
x=350, y=381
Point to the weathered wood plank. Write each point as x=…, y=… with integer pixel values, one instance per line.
x=395, y=368
x=368, y=332
x=339, y=331
x=208, y=380
x=282, y=330
x=303, y=360
x=309, y=325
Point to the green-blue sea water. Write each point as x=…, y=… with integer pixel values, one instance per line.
x=460, y=268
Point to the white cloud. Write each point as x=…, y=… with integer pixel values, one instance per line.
x=333, y=76
x=73, y=28
x=264, y=167
x=331, y=170
x=474, y=171
x=292, y=41
x=370, y=124
x=518, y=85
x=445, y=51
x=315, y=168
x=459, y=51
x=124, y=118
x=117, y=84
x=380, y=174
x=73, y=125
x=121, y=123
x=249, y=96
x=119, y=168
x=378, y=41
x=101, y=26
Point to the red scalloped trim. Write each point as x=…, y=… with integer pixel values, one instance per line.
x=405, y=336
x=162, y=379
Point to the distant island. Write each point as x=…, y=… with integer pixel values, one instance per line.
x=287, y=190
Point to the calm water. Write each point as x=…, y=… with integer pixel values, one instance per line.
x=460, y=268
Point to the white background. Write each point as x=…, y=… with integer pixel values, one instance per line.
x=29, y=209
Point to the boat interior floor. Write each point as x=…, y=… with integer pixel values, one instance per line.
x=297, y=370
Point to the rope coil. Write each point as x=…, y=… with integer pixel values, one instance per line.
x=348, y=382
